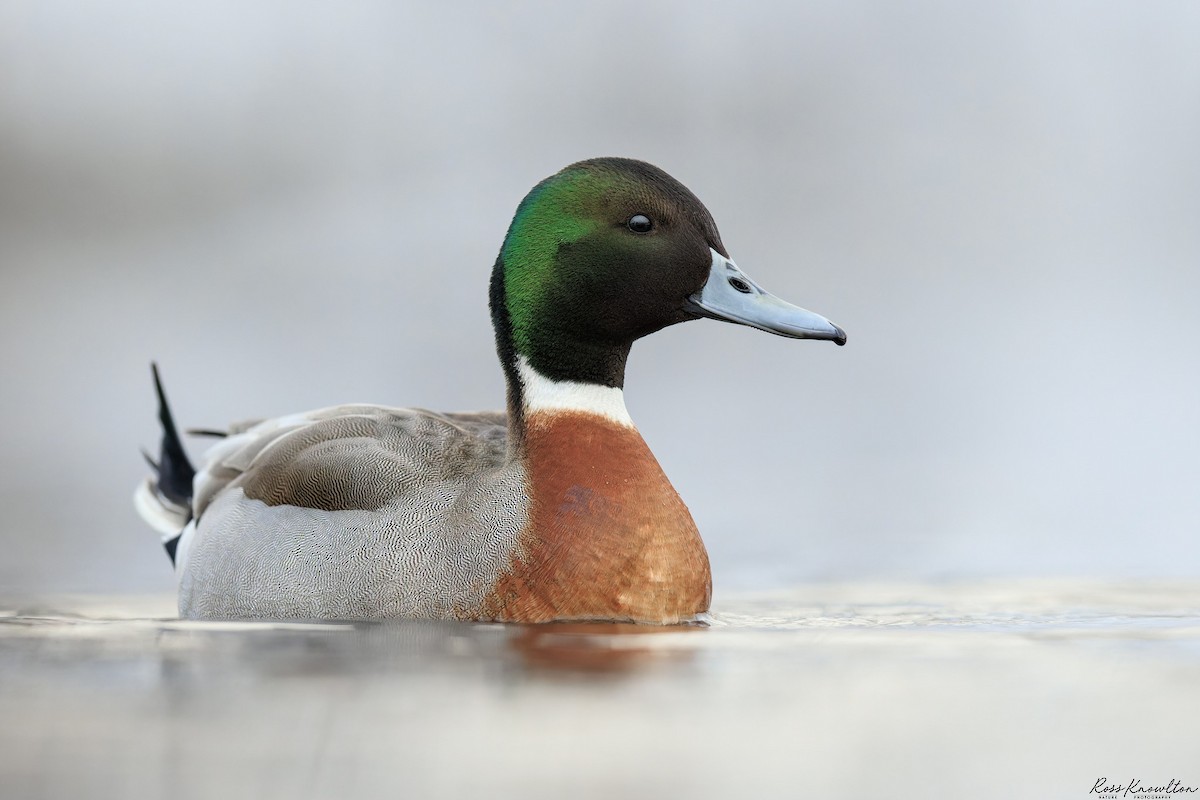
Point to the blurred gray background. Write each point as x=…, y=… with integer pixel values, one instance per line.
x=291, y=205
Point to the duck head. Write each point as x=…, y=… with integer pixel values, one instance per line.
x=607, y=251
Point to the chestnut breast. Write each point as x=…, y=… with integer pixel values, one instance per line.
x=608, y=536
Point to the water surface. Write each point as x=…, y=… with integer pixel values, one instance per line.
x=982, y=690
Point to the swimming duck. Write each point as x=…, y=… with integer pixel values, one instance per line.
x=553, y=510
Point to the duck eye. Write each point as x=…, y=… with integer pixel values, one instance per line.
x=639, y=223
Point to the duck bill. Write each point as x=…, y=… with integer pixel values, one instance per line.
x=731, y=296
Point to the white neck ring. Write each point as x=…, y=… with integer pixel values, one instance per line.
x=543, y=395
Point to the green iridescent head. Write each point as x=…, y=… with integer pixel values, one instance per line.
x=598, y=255
x=607, y=251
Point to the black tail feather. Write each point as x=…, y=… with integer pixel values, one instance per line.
x=215, y=434
x=175, y=472
x=171, y=545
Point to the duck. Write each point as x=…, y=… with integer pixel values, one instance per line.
x=554, y=509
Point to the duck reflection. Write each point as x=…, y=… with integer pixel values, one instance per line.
x=601, y=647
